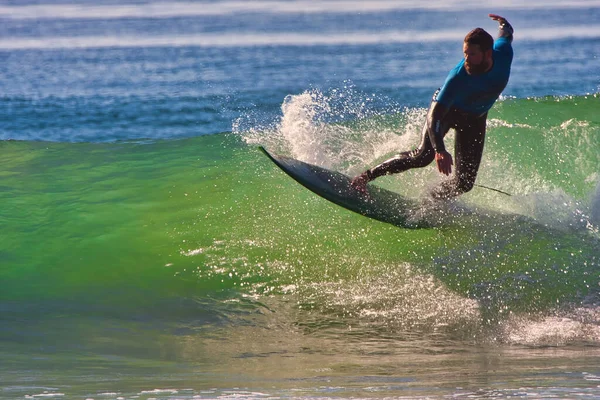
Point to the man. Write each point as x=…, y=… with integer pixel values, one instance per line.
x=462, y=103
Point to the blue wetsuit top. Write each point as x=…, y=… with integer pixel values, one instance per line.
x=476, y=94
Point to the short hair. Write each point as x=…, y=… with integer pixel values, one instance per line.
x=480, y=37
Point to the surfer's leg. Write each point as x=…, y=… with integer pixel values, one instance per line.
x=421, y=157
x=468, y=149
x=418, y=158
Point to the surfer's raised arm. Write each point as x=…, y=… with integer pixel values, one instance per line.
x=505, y=29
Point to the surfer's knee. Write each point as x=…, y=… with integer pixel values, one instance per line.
x=418, y=158
x=391, y=166
x=427, y=158
x=421, y=157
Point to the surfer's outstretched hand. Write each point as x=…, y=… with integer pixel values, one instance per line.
x=498, y=18
x=360, y=183
x=444, y=162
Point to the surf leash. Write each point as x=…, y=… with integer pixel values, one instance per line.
x=495, y=190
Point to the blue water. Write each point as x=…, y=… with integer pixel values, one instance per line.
x=149, y=250
x=107, y=72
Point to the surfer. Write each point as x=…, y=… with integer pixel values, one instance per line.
x=462, y=103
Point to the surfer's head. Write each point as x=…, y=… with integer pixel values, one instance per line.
x=477, y=50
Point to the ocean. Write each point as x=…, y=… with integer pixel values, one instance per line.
x=149, y=250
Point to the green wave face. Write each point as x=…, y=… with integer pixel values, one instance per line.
x=208, y=231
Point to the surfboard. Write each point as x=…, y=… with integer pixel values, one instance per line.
x=380, y=204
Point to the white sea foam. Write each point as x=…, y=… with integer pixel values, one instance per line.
x=398, y=296
x=578, y=325
x=308, y=130
x=164, y=9
x=231, y=39
x=254, y=39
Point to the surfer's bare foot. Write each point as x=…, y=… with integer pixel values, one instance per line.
x=360, y=183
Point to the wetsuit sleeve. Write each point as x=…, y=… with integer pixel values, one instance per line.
x=503, y=44
x=443, y=101
x=435, y=128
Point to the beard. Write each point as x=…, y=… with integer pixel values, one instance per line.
x=477, y=69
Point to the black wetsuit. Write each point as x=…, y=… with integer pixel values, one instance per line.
x=468, y=149
x=466, y=100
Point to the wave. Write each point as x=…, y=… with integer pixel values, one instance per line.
x=224, y=8
x=209, y=227
x=109, y=118
x=510, y=281
x=254, y=39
